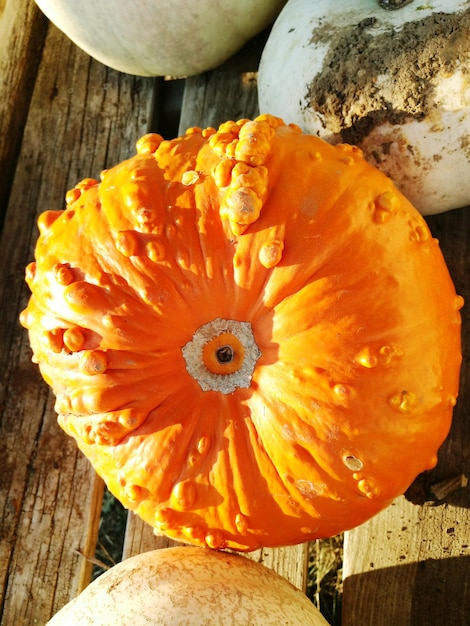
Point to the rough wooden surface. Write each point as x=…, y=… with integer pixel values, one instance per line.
x=410, y=565
x=22, y=33
x=81, y=118
x=226, y=93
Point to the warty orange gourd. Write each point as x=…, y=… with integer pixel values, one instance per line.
x=251, y=334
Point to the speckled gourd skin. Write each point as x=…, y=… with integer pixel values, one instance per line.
x=187, y=585
x=344, y=290
x=161, y=37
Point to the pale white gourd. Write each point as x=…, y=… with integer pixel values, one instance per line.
x=394, y=82
x=160, y=37
x=197, y=586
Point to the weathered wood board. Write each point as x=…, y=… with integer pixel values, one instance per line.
x=22, y=32
x=81, y=118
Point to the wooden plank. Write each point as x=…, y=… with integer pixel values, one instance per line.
x=226, y=93
x=291, y=562
x=410, y=565
x=141, y=538
x=22, y=32
x=82, y=119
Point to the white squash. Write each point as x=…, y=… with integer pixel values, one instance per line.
x=160, y=37
x=189, y=586
x=394, y=82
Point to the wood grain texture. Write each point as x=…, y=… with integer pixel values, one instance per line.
x=22, y=32
x=410, y=565
x=81, y=119
x=226, y=93
x=291, y=562
x=141, y=538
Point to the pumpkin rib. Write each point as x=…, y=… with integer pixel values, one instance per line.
x=332, y=204
x=341, y=387
x=148, y=250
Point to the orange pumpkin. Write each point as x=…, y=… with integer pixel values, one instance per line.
x=250, y=333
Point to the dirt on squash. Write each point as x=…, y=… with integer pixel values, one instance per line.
x=350, y=92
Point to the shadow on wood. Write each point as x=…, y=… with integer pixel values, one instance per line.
x=378, y=594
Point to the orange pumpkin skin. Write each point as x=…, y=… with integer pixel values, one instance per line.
x=250, y=333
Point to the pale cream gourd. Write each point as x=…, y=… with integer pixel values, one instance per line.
x=393, y=82
x=180, y=586
x=160, y=37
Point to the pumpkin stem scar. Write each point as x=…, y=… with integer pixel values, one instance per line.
x=393, y=4
x=222, y=355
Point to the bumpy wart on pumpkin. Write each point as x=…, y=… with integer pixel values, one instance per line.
x=251, y=334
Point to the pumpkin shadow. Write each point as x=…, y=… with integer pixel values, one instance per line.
x=452, y=229
x=431, y=592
